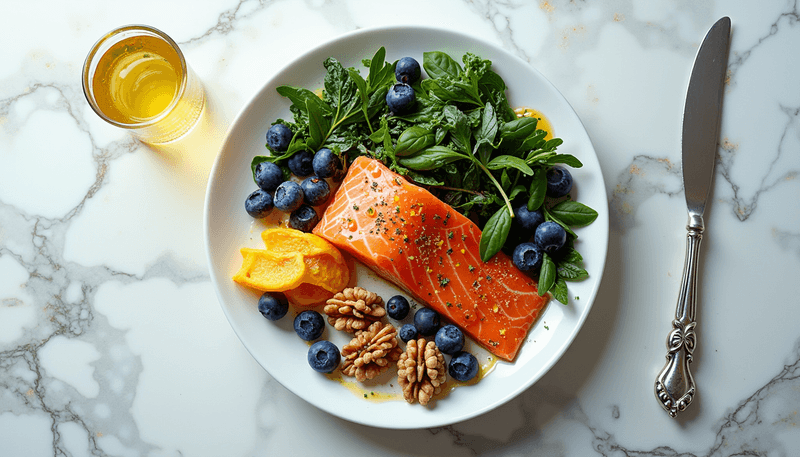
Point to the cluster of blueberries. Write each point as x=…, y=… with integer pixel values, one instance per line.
x=548, y=237
x=288, y=196
x=401, y=97
x=324, y=356
x=300, y=199
x=448, y=338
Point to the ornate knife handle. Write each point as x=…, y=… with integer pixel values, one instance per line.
x=675, y=388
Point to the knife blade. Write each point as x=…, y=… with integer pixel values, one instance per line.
x=675, y=386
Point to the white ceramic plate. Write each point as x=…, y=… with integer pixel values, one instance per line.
x=274, y=344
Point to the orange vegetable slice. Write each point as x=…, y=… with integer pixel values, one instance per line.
x=270, y=272
x=324, y=271
x=286, y=240
x=308, y=295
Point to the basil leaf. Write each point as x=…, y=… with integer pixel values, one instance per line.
x=379, y=135
x=494, y=89
x=489, y=126
x=483, y=151
x=566, y=159
x=318, y=126
x=437, y=64
x=534, y=142
x=571, y=255
x=574, y=214
x=362, y=91
x=506, y=161
x=459, y=128
x=495, y=233
x=375, y=66
x=518, y=189
x=518, y=129
x=412, y=140
x=377, y=101
x=560, y=291
x=451, y=91
x=538, y=189
x=552, y=144
x=547, y=275
x=339, y=88
x=299, y=97
x=440, y=134
x=431, y=158
x=571, y=272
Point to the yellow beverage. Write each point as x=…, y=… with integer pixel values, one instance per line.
x=137, y=78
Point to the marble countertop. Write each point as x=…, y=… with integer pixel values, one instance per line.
x=112, y=342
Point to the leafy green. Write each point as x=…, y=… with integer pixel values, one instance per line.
x=430, y=159
x=440, y=65
x=538, y=189
x=547, y=274
x=494, y=234
x=574, y=214
x=414, y=139
x=560, y=290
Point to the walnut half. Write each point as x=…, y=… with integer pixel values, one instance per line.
x=354, y=309
x=421, y=371
x=371, y=352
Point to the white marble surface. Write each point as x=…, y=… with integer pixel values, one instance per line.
x=112, y=341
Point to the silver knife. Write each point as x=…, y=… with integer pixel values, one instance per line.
x=675, y=387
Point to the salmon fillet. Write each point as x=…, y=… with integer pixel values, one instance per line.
x=414, y=240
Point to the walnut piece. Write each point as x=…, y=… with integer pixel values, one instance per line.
x=354, y=309
x=371, y=352
x=421, y=371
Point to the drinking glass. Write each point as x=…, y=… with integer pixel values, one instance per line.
x=136, y=78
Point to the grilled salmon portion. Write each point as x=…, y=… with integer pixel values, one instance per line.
x=416, y=241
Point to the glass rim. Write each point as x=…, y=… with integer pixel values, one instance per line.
x=87, y=86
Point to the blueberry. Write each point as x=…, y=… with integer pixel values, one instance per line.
x=527, y=257
x=309, y=325
x=397, y=307
x=549, y=237
x=407, y=70
x=326, y=164
x=463, y=366
x=288, y=196
x=324, y=356
x=400, y=98
x=449, y=339
x=426, y=321
x=316, y=191
x=258, y=204
x=528, y=220
x=559, y=182
x=273, y=305
x=303, y=219
x=278, y=137
x=268, y=176
x=407, y=333
x=301, y=163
